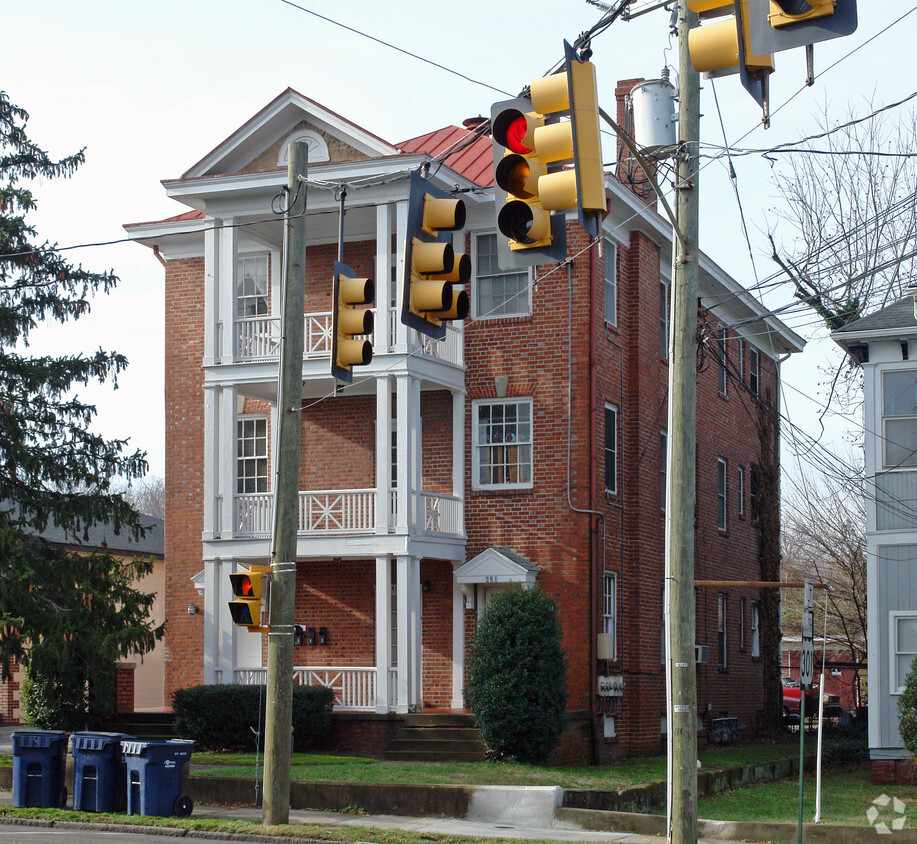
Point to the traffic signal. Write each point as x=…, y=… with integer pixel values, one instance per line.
x=724, y=46
x=431, y=266
x=778, y=25
x=349, y=321
x=251, y=592
x=544, y=163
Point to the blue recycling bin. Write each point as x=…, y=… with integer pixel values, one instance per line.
x=99, y=772
x=38, y=769
x=154, y=777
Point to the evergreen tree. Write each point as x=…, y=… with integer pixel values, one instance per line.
x=67, y=617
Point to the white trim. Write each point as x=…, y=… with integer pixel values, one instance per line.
x=477, y=447
x=318, y=147
x=893, y=618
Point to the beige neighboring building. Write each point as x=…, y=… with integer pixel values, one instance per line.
x=148, y=671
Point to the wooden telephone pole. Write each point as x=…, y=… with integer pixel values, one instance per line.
x=279, y=709
x=682, y=715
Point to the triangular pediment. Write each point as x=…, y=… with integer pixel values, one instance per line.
x=260, y=143
x=496, y=565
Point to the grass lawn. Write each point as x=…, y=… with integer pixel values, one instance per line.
x=316, y=767
x=846, y=796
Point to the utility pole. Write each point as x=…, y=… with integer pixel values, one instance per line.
x=279, y=710
x=682, y=716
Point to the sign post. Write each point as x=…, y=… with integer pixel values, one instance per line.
x=806, y=671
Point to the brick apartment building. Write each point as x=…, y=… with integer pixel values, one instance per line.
x=528, y=446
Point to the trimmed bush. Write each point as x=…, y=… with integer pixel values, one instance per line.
x=517, y=676
x=222, y=717
x=907, y=711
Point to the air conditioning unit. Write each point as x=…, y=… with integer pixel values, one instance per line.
x=701, y=654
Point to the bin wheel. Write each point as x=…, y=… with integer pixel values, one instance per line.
x=182, y=806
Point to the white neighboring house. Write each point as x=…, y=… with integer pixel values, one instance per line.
x=884, y=344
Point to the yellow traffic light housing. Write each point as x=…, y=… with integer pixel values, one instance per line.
x=431, y=266
x=349, y=321
x=724, y=47
x=547, y=157
x=778, y=25
x=251, y=598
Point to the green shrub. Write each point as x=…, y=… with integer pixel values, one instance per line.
x=907, y=711
x=222, y=717
x=63, y=698
x=517, y=676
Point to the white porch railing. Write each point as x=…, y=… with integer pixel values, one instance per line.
x=257, y=338
x=354, y=688
x=442, y=513
x=320, y=512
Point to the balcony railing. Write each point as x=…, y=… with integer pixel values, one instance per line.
x=351, y=511
x=320, y=512
x=354, y=688
x=257, y=338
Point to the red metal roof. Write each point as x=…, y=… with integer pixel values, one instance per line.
x=188, y=215
x=474, y=161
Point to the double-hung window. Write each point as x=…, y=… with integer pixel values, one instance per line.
x=251, y=286
x=741, y=624
x=721, y=493
x=755, y=629
x=611, y=448
x=903, y=631
x=721, y=361
x=502, y=444
x=663, y=318
x=498, y=293
x=899, y=418
x=611, y=284
x=754, y=370
x=251, y=455
x=721, y=629
x=609, y=598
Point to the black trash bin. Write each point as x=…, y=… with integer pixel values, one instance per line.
x=154, y=777
x=38, y=769
x=99, y=772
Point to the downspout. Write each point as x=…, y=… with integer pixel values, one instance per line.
x=592, y=556
x=158, y=255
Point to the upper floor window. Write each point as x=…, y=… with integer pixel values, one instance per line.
x=899, y=417
x=251, y=455
x=251, y=286
x=502, y=444
x=741, y=491
x=721, y=493
x=741, y=624
x=663, y=318
x=741, y=361
x=754, y=361
x=497, y=293
x=663, y=467
x=611, y=448
x=611, y=284
x=721, y=361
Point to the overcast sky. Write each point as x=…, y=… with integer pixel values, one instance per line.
x=150, y=88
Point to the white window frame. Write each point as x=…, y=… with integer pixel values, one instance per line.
x=741, y=366
x=664, y=315
x=893, y=619
x=721, y=380
x=523, y=302
x=244, y=420
x=610, y=409
x=610, y=283
x=609, y=609
x=754, y=370
x=262, y=300
x=909, y=461
x=722, y=491
x=741, y=623
x=478, y=447
x=663, y=467
x=755, y=629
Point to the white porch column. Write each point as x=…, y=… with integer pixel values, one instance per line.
x=406, y=457
x=418, y=508
x=383, y=453
x=401, y=227
x=226, y=288
x=458, y=646
x=225, y=449
x=383, y=631
x=458, y=447
x=416, y=617
x=212, y=491
x=384, y=292
x=406, y=684
x=211, y=621
x=212, y=338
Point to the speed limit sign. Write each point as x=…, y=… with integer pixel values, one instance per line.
x=807, y=656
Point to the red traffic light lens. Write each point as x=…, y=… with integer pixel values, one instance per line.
x=245, y=586
x=515, y=135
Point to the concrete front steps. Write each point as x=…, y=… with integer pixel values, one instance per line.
x=436, y=737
